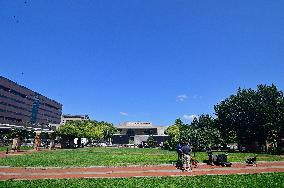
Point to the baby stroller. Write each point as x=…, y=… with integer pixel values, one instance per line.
x=251, y=161
x=220, y=159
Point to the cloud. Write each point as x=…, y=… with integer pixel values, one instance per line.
x=190, y=117
x=182, y=97
x=197, y=97
x=123, y=113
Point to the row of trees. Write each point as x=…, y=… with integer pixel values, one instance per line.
x=201, y=133
x=92, y=130
x=251, y=118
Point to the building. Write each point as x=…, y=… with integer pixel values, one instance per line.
x=68, y=117
x=137, y=128
x=22, y=107
x=138, y=132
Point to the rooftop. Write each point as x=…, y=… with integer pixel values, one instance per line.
x=15, y=83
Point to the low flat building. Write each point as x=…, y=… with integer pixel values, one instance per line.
x=68, y=117
x=138, y=132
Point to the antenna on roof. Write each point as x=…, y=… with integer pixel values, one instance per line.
x=22, y=78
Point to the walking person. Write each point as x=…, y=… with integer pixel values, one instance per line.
x=179, y=151
x=186, y=151
x=179, y=164
x=37, y=142
x=15, y=143
x=210, y=156
x=52, y=141
x=19, y=143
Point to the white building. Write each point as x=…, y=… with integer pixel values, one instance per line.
x=68, y=117
x=137, y=132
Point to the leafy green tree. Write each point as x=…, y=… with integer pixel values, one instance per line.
x=252, y=117
x=201, y=133
x=68, y=133
x=177, y=132
x=23, y=133
x=151, y=142
x=93, y=130
x=271, y=109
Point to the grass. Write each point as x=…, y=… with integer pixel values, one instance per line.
x=267, y=180
x=112, y=157
x=91, y=157
x=4, y=148
x=241, y=157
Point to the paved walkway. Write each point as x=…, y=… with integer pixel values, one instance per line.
x=7, y=173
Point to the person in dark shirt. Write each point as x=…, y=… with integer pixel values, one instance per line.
x=186, y=150
x=179, y=164
x=210, y=155
x=179, y=151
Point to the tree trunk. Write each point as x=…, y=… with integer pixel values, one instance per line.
x=79, y=143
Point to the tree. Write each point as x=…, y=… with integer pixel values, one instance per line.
x=68, y=133
x=23, y=133
x=201, y=133
x=271, y=108
x=251, y=117
x=93, y=130
x=177, y=132
x=151, y=142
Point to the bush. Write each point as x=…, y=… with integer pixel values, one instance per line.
x=275, y=150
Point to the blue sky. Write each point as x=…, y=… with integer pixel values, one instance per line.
x=141, y=60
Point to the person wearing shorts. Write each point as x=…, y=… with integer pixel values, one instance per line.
x=186, y=157
x=15, y=143
x=37, y=141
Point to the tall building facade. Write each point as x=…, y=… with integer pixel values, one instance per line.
x=24, y=107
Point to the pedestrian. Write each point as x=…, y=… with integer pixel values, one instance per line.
x=210, y=155
x=186, y=152
x=37, y=142
x=52, y=141
x=19, y=143
x=179, y=151
x=15, y=143
x=179, y=156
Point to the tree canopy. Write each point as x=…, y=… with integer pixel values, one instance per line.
x=87, y=129
x=201, y=133
x=252, y=117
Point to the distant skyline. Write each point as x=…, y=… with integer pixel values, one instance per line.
x=140, y=60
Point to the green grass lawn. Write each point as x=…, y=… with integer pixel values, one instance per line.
x=268, y=180
x=4, y=148
x=112, y=157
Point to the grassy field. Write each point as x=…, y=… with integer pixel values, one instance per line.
x=4, y=148
x=112, y=157
x=272, y=180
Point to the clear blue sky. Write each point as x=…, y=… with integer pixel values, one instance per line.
x=141, y=60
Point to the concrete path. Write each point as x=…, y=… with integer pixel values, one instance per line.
x=30, y=173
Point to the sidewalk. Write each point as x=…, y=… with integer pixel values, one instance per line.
x=30, y=173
